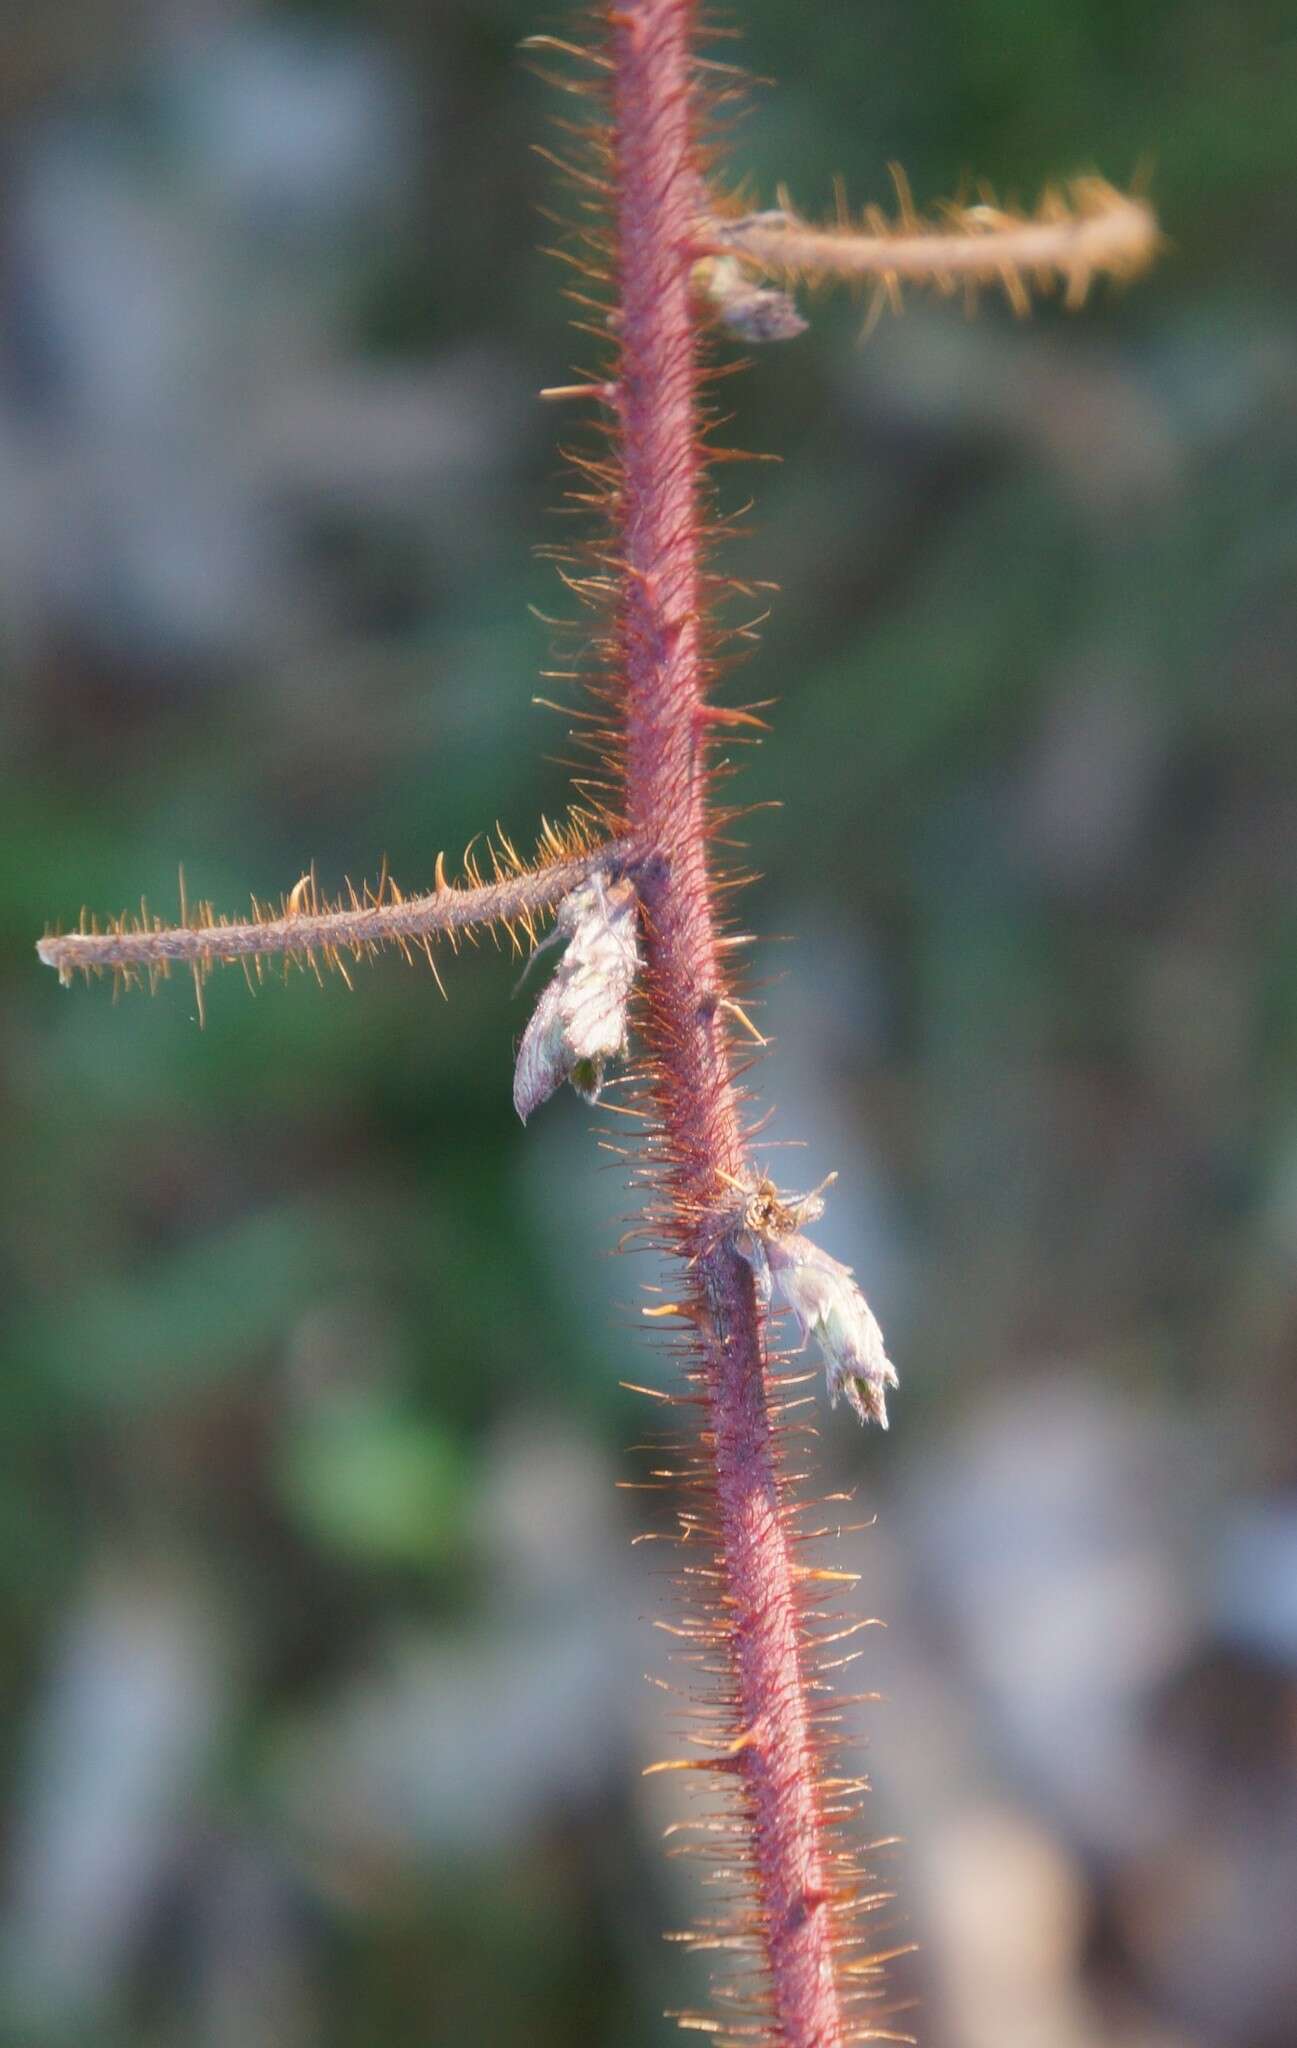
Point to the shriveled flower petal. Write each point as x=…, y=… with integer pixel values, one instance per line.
x=821, y=1293
x=828, y=1305
x=757, y=312
x=580, y=1021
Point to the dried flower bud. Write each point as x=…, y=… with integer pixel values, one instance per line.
x=580, y=1021
x=823, y=1296
x=756, y=312
x=829, y=1306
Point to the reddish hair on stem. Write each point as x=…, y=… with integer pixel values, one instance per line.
x=772, y=1757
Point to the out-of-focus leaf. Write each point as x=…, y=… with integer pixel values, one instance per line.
x=380, y=1486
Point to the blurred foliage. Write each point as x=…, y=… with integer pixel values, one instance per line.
x=276, y=1293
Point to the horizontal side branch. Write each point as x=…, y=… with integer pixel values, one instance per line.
x=1088, y=230
x=147, y=946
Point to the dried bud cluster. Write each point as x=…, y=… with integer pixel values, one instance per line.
x=822, y=1295
x=755, y=312
x=580, y=1021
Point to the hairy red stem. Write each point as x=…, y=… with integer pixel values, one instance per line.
x=663, y=662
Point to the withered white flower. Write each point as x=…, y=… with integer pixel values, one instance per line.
x=580, y=1021
x=823, y=1296
x=829, y=1306
x=756, y=312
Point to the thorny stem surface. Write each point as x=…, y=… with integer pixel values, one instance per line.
x=663, y=662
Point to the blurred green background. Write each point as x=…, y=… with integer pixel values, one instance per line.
x=321, y=1708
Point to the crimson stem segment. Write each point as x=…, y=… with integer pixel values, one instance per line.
x=663, y=663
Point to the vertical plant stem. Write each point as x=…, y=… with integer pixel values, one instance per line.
x=661, y=648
